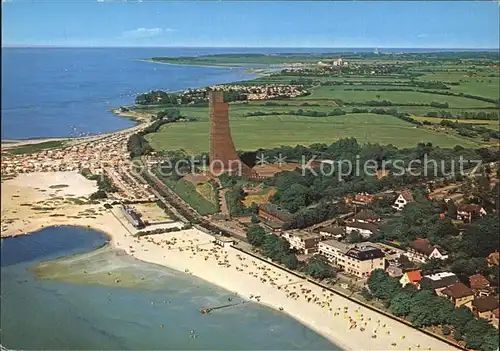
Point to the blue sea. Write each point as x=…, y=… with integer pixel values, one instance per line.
x=61, y=92
x=58, y=292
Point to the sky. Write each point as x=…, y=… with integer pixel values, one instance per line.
x=342, y=24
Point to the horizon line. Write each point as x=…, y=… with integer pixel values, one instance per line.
x=239, y=47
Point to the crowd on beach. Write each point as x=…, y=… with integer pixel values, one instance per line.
x=198, y=253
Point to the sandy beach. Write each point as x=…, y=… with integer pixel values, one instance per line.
x=343, y=322
x=139, y=117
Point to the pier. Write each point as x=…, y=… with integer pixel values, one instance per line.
x=207, y=310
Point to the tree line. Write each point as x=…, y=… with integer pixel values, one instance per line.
x=471, y=130
x=302, y=191
x=300, y=112
x=493, y=116
x=138, y=145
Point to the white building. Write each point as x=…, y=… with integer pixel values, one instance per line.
x=405, y=197
x=421, y=250
x=356, y=259
x=302, y=241
x=339, y=62
x=365, y=229
x=438, y=281
x=224, y=241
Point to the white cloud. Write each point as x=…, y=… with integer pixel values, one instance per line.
x=141, y=33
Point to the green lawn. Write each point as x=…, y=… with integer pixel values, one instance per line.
x=321, y=93
x=485, y=86
x=252, y=133
x=188, y=193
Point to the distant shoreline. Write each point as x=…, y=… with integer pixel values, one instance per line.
x=188, y=64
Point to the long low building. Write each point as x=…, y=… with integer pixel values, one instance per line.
x=357, y=259
x=302, y=241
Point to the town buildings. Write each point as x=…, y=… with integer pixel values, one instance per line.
x=486, y=307
x=302, y=241
x=420, y=250
x=404, y=197
x=365, y=229
x=438, y=281
x=459, y=294
x=332, y=232
x=480, y=285
x=394, y=271
x=356, y=259
x=493, y=259
x=263, y=92
x=224, y=241
x=366, y=216
x=412, y=277
x=274, y=218
x=339, y=62
x=466, y=212
x=360, y=199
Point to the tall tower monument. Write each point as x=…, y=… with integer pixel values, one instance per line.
x=223, y=156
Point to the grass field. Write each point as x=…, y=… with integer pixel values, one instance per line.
x=487, y=87
x=260, y=198
x=188, y=193
x=252, y=133
x=404, y=97
x=206, y=190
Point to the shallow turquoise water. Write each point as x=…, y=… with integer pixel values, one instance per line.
x=83, y=307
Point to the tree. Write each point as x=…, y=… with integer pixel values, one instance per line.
x=256, y=235
x=460, y=317
x=451, y=209
x=469, y=266
x=290, y=261
x=319, y=268
x=458, y=335
x=99, y=194
x=255, y=219
x=431, y=266
x=275, y=247
x=401, y=304
x=367, y=295
x=476, y=331
x=293, y=197
x=444, y=310
x=490, y=341
x=481, y=237
x=382, y=285
x=423, y=309
x=354, y=237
